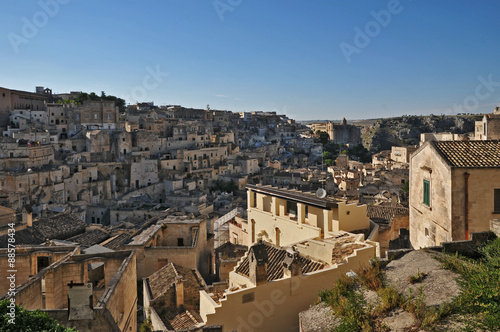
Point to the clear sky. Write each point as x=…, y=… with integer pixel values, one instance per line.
x=322, y=59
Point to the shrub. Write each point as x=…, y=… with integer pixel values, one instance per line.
x=418, y=277
x=28, y=321
x=371, y=276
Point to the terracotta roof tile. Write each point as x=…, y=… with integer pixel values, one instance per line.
x=276, y=256
x=182, y=318
x=59, y=227
x=469, y=153
x=164, y=278
x=116, y=242
x=385, y=214
x=89, y=238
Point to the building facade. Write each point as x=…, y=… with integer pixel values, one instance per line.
x=454, y=190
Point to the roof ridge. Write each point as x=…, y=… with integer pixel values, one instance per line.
x=175, y=270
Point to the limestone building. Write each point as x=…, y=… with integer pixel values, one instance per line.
x=454, y=190
x=181, y=240
x=11, y=100
x=271, y=284
x=340, y=133
x=284, y=217
x=92, y=292
x=489, y=126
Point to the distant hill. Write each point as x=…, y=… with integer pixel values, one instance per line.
x=406, y=130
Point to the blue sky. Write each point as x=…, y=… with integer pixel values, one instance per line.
x=306, y=59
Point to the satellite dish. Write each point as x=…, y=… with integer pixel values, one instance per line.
x=321, y=193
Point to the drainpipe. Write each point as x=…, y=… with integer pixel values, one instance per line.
x=466, y=177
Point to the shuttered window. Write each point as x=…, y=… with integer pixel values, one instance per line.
x=427, y=193
x=497, y=200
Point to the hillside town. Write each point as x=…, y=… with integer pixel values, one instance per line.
x=152, y=217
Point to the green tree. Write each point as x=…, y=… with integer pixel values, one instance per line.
x=323, y=137
x=28, y=321
x=327, y=155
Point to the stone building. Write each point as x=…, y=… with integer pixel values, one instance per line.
x=24, y=154
x=96, y=115
x=11, y=100
x=489, y=127
x=180, y=240
x=401, y=154
x=92, y=292
x=342, y=133
x=271, y=284
x=143, y=172
x=454, y=190
x=284, y=217
x=390, y=220
x=172, y=298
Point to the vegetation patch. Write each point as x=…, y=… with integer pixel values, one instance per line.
x=28, y=321
x=417, y=277
x=479, y=300
x=480, y=285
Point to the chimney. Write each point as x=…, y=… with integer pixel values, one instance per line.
x=394, y=200
x=27, y=215
x=292, y=266
x=179, y=291
x=257, y=263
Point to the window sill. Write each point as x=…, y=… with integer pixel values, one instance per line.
x=427, y=207
x=495, y=212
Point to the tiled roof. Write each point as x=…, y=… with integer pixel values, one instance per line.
x=276, y=256
x=115, y=242
x=181, y=319
x=230, y=250
x=164, y=278
x=90, y=237
x=469, y=153
x=385, y=214
x=60, y=227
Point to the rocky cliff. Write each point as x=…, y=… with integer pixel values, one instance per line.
x=406, y=130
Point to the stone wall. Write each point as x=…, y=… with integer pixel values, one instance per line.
x=495, y=226
x=430, y=225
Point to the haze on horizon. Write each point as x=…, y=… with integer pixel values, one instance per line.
x=320, y=60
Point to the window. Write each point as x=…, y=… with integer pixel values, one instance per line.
x=427, y=193
x=161, y=263
x=291, y=208
x=180, y=242
x=96, y=116
x=497, y=200
x=307, y=211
